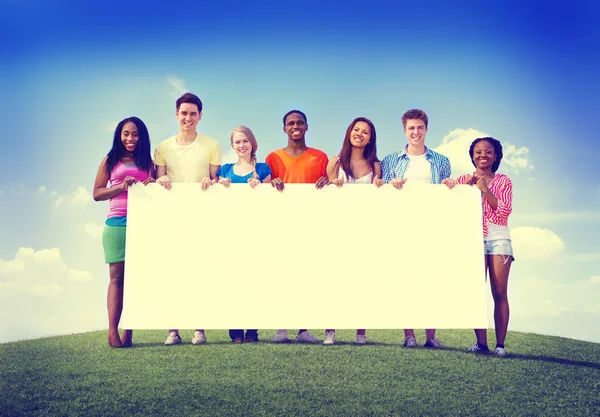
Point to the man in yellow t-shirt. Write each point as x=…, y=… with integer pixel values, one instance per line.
x=297, y=163
x=187, y=157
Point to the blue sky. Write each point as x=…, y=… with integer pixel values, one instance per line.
x=525, y=73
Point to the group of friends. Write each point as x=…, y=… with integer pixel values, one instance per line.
x=191, y=157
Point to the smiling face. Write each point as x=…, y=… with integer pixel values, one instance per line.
x=360, y=135
x=484, y=155
x=188, y=117
x=295, y=126
x=415, y=132
x=129, y=136
x=241, y=144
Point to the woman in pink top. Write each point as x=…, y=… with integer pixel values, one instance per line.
x=357, y=163
x=496, y=190
x=129, y=161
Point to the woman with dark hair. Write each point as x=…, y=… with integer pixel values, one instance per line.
x=357, y=163
x=496, y=190
x=129, y=161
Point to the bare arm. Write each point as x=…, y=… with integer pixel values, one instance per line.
x=213, y=171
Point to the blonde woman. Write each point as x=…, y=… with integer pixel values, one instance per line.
x=245, y=170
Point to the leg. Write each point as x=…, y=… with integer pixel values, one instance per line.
x=499, y=270
x=236, y=334
x=361, y=332
x=481, y=334
x=114, y=302
x=430, y=334
x=251, y=335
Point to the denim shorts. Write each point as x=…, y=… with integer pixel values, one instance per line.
x=498, y=247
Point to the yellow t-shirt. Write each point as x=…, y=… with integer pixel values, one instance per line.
x=188, y=163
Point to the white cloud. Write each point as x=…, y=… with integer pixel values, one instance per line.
x=534, y=243
x=230, y=157
x=41, y=189
x=178, y=84
x=78, y=198
x=93, y=229
x=595, y=279
x=51, y=292
x=455, y=145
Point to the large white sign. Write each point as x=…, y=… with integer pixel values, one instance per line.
x=350, y=257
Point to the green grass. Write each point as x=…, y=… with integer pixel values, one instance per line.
x=80, y=375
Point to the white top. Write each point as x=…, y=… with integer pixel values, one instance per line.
x=367, y=179
x=418, y=170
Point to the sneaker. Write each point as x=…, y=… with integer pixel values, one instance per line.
x=410, y=342
x=280, y=337
x=173, y=339
x=434, y=344
x=361, y=339
x=306, y=337
x=476, y=348
x=500, y=351
x=198, y=338
x=237, y=340
x=329, y=338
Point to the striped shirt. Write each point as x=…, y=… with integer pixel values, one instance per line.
x=394, y=165
x=501, y=187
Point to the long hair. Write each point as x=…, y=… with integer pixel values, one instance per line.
x=497, y=149
x=141, y=153
x=252, y=139
x=369, y=151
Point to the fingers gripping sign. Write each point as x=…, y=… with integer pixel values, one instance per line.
x=322, y=182
x=378, y=182
x=398, y=183
x=278, y=184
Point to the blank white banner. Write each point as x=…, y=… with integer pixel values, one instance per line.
x=345, y=258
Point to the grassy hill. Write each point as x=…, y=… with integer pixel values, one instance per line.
x=80, y=375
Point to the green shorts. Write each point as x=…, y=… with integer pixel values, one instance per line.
x=113, y=242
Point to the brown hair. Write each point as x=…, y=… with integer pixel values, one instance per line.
x=415, y=114
x=369, y=151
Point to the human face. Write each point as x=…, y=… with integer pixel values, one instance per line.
x=295, y=126
x=360, y=134
x=241, y=145
x=188, y=117
x=484, y=155
x=415, y=131
x=129, y=136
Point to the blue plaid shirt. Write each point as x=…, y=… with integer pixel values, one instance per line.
x=394, y=165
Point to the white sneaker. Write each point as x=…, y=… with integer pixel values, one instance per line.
x=198, y=338
x=280, y=337
x=361, y=339
x=500, y=351
x=410, y=342
x=475, y=348
x=306, y=337
x=434, y=344
x=329, y=338
x=173, y=339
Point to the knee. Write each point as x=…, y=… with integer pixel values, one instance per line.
x=500, y=298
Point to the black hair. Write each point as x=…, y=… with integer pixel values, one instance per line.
x=141, y=153
x=497, y=149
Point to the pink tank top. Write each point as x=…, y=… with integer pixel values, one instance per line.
x=118, y=204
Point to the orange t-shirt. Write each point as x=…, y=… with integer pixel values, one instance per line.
x=305, y=169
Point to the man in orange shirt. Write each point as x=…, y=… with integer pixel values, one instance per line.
x=297, y=164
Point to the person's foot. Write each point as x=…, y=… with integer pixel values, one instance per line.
x=127, y=339
x=329, y=338
x=250, y=339
x=433, y=344
x=478, y=348
x=173, y=339
x=237, y=340
x=198, y=338
x=114, y=340
x=280, y=337
x=361, y=339
x=410, y=342
x=306, y=337
x=500, y=351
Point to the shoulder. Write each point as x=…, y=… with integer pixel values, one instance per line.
x=437, y=155
x=273, y=154
x=316, y=152
x=166, y=143
x=503, y=179
x=390, y=158
x=261, y=166
x=207, y=140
